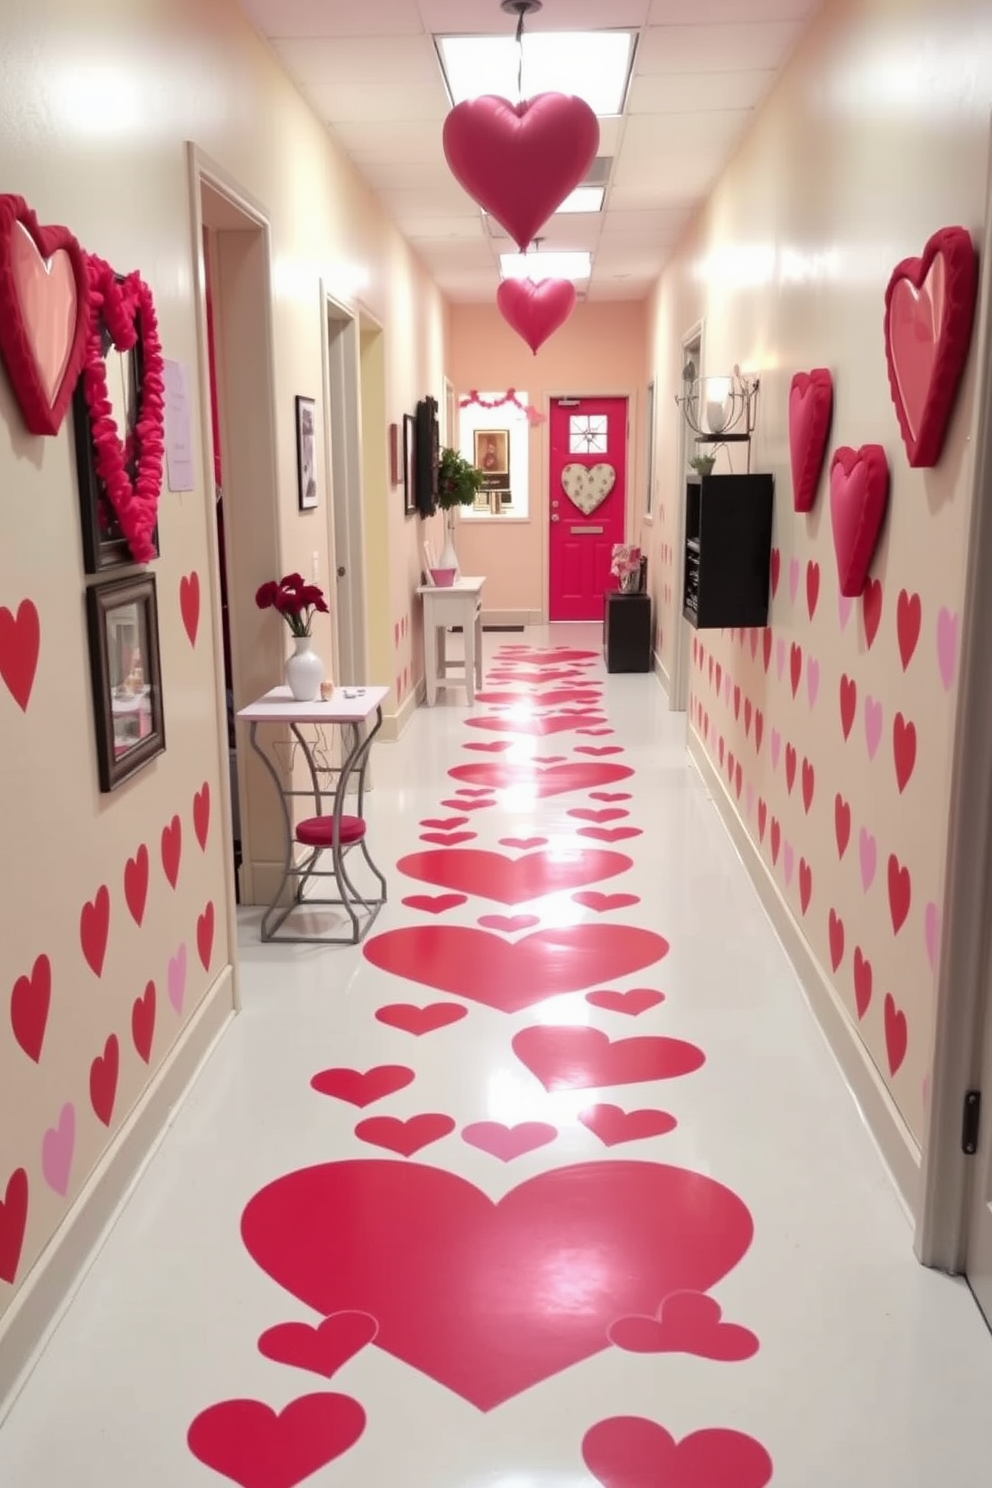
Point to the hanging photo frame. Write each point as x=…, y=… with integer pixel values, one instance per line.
x=122, y=620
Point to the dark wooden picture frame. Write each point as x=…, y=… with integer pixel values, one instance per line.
x=409, y=464
x=306, y=453
x=125, y=670
x=104, y=544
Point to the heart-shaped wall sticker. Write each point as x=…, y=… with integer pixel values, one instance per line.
x=929, y=313
x=587, y=486
x=811, y=405
x=44, y=313
x=535, y=309
x=859, y=494
x=520, y=161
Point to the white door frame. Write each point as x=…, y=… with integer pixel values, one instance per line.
x=678, y=694
x=343, y=472
x=964, y=979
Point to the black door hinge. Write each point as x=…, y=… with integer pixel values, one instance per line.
x=969, y=1122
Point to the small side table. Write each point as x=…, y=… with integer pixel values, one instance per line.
x=460, y=604
x=627, y=632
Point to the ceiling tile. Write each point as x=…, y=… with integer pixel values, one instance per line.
x=456, y=255
x=693, y=92
x=440, y=227
x=649, y=137
x=657, y=222
x=469, y=16
x=423, y=176
x=318, y=18
x=397, y=138
x=618, y=289
x=737, y=48
x=704, y=12
x=402, y=60
x=370, y=103
x=436, y=201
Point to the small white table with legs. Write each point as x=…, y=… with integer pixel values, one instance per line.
x=461, y=604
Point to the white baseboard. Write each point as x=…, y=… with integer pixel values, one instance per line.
x=892, y=1137
x=394, y=724
x=50, y=1286
x=511, y=617
x=661, y=672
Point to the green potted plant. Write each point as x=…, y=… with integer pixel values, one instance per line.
x=702, y=464
x=458, y=484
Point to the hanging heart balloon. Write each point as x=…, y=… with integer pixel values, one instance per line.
x=535, y=310
x=520, y=161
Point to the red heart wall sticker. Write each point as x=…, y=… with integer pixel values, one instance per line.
x=458, y=1282
x=811, y=403
x=520, y=161
x=513, y=880
x=859, y=495
x=535, y=308
x=929, y=313
x=20, y=645
x=510, y=976
x=44, y=313
x=549, y=780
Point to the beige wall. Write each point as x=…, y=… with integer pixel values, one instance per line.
x=876, y=136
x=600, y=349
x=96, y=106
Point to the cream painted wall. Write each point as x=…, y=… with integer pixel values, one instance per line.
x=876, y=135
x=96, y=106
x=602, y=348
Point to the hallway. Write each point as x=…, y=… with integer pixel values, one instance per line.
x=505, y=1340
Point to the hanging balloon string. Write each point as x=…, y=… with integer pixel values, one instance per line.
x=520, y=59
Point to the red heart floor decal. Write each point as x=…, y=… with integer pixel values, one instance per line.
x=638, y=1000
x=601, y=903
x=539, y=728
x=405, y=1137
x=612, y=1125
x=513, y=975
x=535, y=679
x=688, y=1323
x=362, y=1087
x=459, y=1284
x=492, y=875
x=610, y=834
x=584, y=1058
x=324, y=1349
x=497, y=746
x=421, y=1020
x=434, y=903
x=258, y=1447
x=508, y=1142
x=553, y=699
x=633, y=1452
x=448, y=839
x=523, y=843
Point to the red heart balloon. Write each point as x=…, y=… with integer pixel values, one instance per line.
x=520, y=161
x=811, y=403
x=859, y=494
x=929, y=312
x=535, y=309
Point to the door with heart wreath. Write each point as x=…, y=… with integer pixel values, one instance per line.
x=586, y=504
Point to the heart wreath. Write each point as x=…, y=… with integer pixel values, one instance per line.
x=131, y=472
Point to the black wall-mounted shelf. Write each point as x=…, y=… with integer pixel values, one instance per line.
x=728, y=543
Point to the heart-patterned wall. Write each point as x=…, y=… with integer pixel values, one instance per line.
x=831, y=731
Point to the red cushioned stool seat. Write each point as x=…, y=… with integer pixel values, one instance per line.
x=318, y=831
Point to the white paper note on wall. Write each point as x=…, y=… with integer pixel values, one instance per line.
x=178, y=429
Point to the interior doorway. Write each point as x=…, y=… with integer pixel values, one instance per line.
x=587, y=504
x=343, y=356
x=690, y=361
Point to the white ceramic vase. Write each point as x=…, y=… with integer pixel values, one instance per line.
x=449, y=558
x=304, y=671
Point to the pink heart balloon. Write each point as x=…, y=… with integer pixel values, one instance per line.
x=535, y=310
x=520, y=161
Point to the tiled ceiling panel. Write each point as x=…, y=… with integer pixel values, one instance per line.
x=701, y=68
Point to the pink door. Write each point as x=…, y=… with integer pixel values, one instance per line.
x=586, y=502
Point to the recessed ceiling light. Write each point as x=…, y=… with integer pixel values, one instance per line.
x=545, y=265
x=584, y=199
x=594, y=65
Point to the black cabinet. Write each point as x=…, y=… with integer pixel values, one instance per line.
x=728, y=544
x=627, y=632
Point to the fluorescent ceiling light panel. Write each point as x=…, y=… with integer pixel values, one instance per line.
x=545, y=265
x=584, y=199
x=594, y=65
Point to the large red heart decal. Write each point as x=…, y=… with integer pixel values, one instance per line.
x=859, y=494
x=811, y=404
x=513, y=880
x=535, y=308
x=929, y=313
x=633, y=1452
x=512, y=975
x=520, y=161
x=44, y=313
x=537, y=727
x=550, y=780
x=459, y=1284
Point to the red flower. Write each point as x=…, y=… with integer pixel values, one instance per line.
x=265, y=596
x=292, y=581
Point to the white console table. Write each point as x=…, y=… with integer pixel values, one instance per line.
x=460, y=604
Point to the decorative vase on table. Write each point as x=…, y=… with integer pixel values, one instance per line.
x=304, y=671
x=449, y=558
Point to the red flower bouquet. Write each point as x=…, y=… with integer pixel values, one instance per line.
x=295, y=601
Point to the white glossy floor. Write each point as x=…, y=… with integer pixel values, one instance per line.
x=486, y=1347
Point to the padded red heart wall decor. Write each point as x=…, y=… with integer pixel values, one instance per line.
x=520, y=161
x=535, y=309
x=929, y=313
x=859, y=494
x=811, y=405
x=44, y=313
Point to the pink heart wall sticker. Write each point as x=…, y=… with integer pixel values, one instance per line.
x=44, y=313
x=520, y=161
x=811, y=404
x=929, y=314
x=535, y=309
x=859, y=495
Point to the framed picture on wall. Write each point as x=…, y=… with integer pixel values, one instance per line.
x=492, y=453
x=409, y=464
x=125, y=670
x=306, y=452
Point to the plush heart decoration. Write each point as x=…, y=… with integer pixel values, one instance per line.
x=587, y=486
x=859, y=494
x=535, y=309
x=520, y=161
x=929, y=313
x=44, y=313
x=811, y=406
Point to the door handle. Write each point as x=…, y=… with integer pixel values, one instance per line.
x=555, y=517
x=341, y=572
